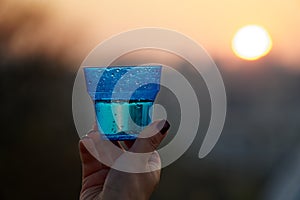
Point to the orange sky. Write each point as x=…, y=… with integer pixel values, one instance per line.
x=211, y=23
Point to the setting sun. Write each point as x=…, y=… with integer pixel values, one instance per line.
x=251, y=42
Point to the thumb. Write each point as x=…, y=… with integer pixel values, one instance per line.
x=157, y=132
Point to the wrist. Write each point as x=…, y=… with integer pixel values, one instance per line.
x=111, y=193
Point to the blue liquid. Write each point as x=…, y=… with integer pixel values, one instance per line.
x=123, y=120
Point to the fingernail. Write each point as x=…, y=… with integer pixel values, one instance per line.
x=163, y=126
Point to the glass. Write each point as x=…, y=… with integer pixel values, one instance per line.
x=123, y=97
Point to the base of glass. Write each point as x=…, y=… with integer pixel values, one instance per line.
x=121, y=136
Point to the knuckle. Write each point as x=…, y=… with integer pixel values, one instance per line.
x=154, y=142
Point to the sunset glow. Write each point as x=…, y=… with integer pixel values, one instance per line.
x=76, y=27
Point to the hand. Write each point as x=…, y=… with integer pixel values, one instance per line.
x=101, y=182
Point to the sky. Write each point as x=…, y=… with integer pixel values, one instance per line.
x=211, y=23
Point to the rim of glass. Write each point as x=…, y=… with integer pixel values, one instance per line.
x=123, y=66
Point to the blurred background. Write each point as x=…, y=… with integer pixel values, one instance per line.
x=42, y=45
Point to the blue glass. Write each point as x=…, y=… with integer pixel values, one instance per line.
x=123, y=97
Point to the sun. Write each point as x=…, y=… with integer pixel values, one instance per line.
x=251, y=42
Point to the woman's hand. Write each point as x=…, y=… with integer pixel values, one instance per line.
x=101, y=182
